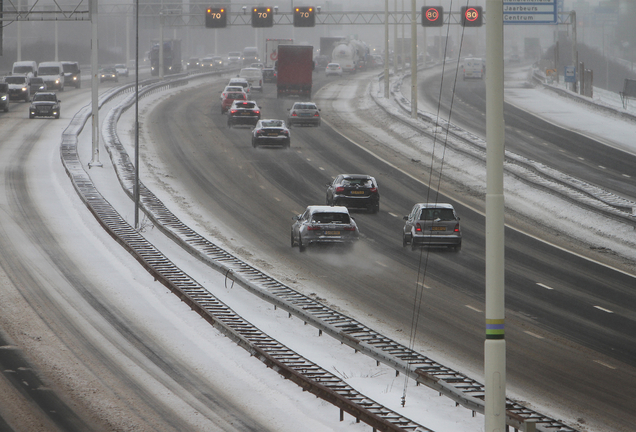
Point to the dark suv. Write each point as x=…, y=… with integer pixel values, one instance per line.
x=45, y=104
x=354, y=191
x=4, y=96
x=72, y=74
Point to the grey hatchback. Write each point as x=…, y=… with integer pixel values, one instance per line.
x=323, y=225
x=432, y=224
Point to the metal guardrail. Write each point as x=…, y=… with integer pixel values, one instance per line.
x=275, y=355
x=460, y=388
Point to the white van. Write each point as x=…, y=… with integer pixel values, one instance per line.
x=254, y=77
x=53, y=75
x=25, y=67
x=474, y=68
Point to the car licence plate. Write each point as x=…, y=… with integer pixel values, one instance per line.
x=357, y=192
x=332, y=232
x=272, y=134
x=438, y=228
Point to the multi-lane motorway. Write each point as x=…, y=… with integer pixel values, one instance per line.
x=570, y=321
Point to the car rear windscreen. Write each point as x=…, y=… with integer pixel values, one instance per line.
x=325, y=218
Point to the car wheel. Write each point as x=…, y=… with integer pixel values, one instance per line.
x=287, y=144
x=254, y=143
x=58, y=115
x=31, y=116
x=413, y=244
x=229, y=125
x=6, y=108
x=293, y=243
x=376, y=208
x=61, y=89
x=301, y=246
x=457, y=247
x=404, y=240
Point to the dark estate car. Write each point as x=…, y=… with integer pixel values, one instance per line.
x=243, y=112
x=108, y=74
x=306, y=113
x=354, y=191
x=45, y=104
x=324, y=225
x=269, y=75
x=270, y=132
x=432, y=224
x=4, y=96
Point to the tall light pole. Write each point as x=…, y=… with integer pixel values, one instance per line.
x=386, y=49
x=94, y=86
x=413, y=61
x=495, y=343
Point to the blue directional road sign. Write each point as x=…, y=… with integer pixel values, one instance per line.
x=570, y=74
x=530, y=12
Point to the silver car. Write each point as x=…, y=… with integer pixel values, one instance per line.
x=323, y=225
x=432, y=224
x=304, y=113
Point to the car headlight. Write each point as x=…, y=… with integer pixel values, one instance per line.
x=24, y=89
x=4, y=97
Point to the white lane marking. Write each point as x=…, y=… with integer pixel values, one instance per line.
x=603, y=309
x=473, y=308
x=423, y=286
x=277, y=199
x=321, y=168
x=380, y=264
x=602, y=167
x=394, y=215
x=533, y=334
x=580, y=158
x=544, y=286
x=627, y=175
x=604, y=364
x=262, y=187
x=309, y=160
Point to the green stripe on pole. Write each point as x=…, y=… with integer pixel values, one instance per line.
x=495, y=329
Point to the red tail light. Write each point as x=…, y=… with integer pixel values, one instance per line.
x=257, y=112
x=316, y=115
x=313, y=228
x=418, y=227
x=285, y=132
x=457, y=228
x=339, y=189
x=260, y=131
x=233, y=112
x=294, y=114
x=350, y=228
x=374, y=189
